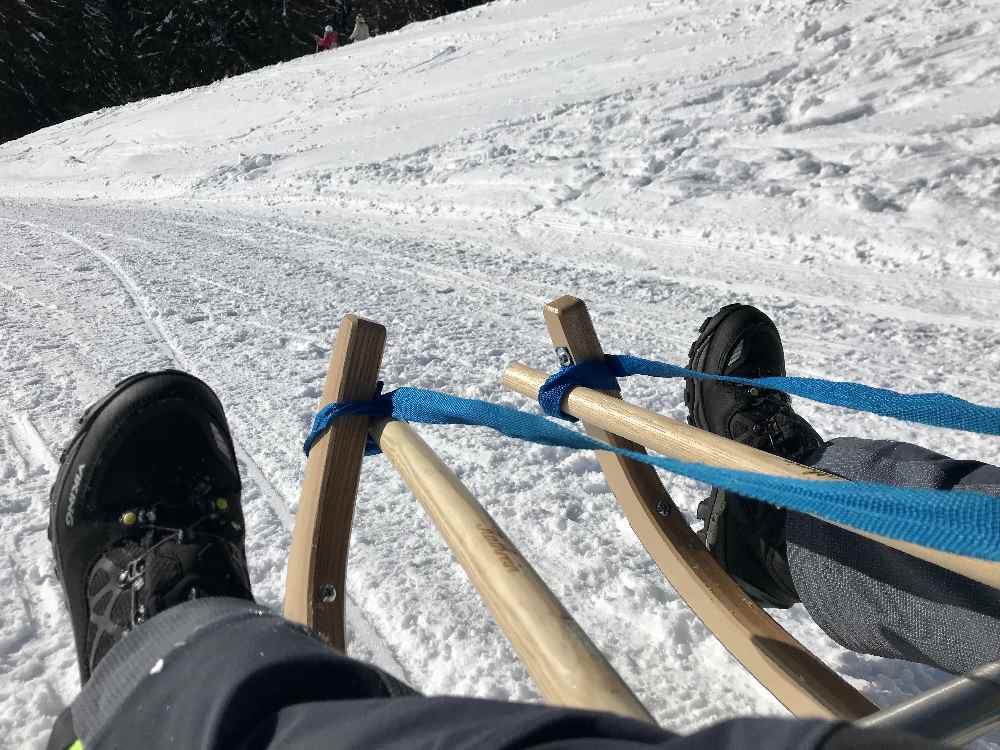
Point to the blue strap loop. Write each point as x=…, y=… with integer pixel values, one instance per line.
x=594, y=374
x=961, y=522
x=380, y=406
x=934, y=409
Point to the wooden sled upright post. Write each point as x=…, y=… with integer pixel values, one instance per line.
x=567, y=667
x=317, y=561
x=800, y=681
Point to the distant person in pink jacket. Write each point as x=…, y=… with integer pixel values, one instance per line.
x=329, y=40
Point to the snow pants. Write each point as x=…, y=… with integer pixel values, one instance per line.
x=876, y=600
x=225, y=673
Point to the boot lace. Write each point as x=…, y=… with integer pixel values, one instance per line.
x=160, y=563
x=771, y=425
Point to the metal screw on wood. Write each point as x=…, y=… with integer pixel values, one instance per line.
x=565, y=358
x=328, y=593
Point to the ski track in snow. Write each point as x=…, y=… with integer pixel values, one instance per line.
x=835, y=164
x=32, y=650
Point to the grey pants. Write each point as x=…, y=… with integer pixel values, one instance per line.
x=876, y=600
x=223, y=674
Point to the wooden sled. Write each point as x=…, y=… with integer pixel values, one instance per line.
x=568, y=669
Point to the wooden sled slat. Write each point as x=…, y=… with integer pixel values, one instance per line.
x=802, y=683
x=567, y=667
x=687, y=443
x=317, y=562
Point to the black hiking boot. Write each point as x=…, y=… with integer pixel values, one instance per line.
x=145, y=512
x=746, y=536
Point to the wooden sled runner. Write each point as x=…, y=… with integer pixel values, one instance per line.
x=567, y=667
x=800, y=681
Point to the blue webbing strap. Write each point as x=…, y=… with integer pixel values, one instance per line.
x=594, y=374
x=378, y=407
x=965, y=523
x=935, y=409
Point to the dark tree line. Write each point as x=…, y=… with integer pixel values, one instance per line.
x=63, y=58
x=389, y=15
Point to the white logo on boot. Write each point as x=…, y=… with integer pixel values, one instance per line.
x=74, y=491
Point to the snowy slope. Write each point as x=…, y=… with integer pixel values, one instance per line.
x=836, y=163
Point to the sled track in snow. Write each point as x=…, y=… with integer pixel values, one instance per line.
x=168, y=347
x=360, y=625
x=760, y=289
x=32, y=584
x=31, y=445
x=534, y=294
x=424, y=270
x=25, y=441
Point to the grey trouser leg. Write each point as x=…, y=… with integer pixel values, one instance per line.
x=179, y=679
x=223, y=674
x=876, y=600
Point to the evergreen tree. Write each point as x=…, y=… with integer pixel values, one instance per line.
x=389, y=15
x=28, y=95
x=63, y=58
x=58, y=60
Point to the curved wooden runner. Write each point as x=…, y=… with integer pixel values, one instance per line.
x=800, y=681
x=317, y=560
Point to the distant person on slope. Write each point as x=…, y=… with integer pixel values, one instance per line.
x=329, y=40
x=360, y=32
x=147, y=532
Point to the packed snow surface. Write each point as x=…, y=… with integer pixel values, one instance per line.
x=835, y=163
